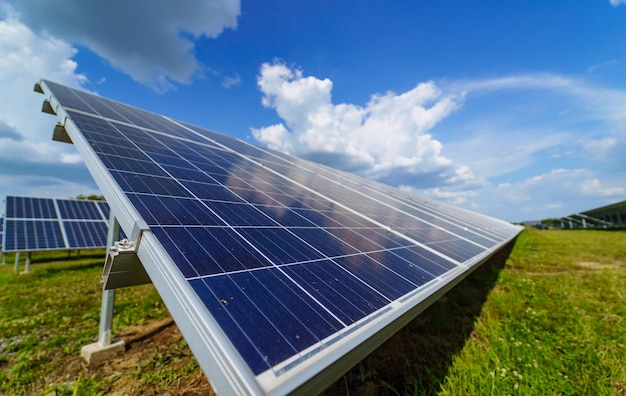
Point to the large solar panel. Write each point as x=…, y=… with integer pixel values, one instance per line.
x=34, y=224
x=281, y=273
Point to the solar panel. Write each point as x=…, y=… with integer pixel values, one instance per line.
x=34, y=224
x=281, y=273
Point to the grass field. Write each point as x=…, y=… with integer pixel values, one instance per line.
x=545, y=316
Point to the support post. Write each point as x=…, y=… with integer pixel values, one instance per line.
x=106, y=318
x=16, y=267
x=28, y=258
x=106, y=347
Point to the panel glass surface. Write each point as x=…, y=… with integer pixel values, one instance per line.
x=54, y=224
x=284, y=254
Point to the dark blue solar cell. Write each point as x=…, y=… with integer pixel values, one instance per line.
x=409, y=270
x=74, y=236
x=232, y=329
x=193, y=252
x=82, y=234
x=317, y=319
x=164, y=186
x=430, y=262
x=380, y=278
x=173, y=250
x=104, y=207
x=272, y=345
x=36, y=235
x=31, y=208
x=227, y=248
x=317, y=218
x=284, y=216
x=240, y=214
x=348, y=299
x=324, y=241
x=279, y=245
x=157, y=210
x=210, y=191
x=273, y=307
x=355, y=239
x=457, y=249
x=69, y=209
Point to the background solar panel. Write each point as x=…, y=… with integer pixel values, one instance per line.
x=266, y=261
x=33, y=224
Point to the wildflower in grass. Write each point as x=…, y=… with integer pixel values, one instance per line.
x=516, y=386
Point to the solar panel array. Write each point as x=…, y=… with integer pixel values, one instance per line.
x=33, y=224
x=277, y=270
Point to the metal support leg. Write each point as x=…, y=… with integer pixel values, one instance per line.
x=108, y=296
x=28, y=257
x=106, y=347
x=16, y=267
x=106, y=317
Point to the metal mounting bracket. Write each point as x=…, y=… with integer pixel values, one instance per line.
x=123, y=267
x=60, y=134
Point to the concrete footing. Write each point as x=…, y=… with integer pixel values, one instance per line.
x=95, y=353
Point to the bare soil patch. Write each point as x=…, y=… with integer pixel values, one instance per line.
x=123, y=373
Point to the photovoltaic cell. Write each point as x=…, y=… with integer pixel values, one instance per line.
x=267, y=261
x=33, y=224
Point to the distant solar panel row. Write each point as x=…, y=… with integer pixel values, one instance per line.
x=33, y=224
x=268, y=261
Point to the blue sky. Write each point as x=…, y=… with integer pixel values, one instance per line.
x=512, y=109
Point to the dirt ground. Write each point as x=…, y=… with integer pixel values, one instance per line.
x=120, y=372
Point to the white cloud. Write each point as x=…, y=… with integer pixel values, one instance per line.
x=73, y=158
x=594, y=68
x=594, y=187
x=500, y=135
x=615, y=3
x=151, y=41
x=27, y=57
x=387, y=139
x=26, y=146
x=233, y=81
x=556, y=193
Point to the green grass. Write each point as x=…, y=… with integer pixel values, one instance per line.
x=52, y=312
x=555, y=323
x=550, y=318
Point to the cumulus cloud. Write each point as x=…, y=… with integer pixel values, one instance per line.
x=387, y=139
x=152, y=41
x=25, y=132
x=499, y=136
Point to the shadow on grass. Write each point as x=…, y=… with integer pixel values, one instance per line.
x=416, y=360
x=78, y=266
x=83, y=255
